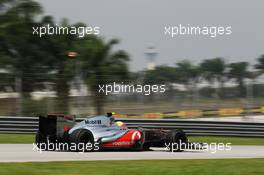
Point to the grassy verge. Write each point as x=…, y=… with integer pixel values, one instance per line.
x=17, y=138
x=30, y=138
x=233, y=140
x=144, y=167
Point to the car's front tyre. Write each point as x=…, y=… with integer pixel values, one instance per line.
x=179, y=140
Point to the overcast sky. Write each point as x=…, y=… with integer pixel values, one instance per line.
x=140, y=22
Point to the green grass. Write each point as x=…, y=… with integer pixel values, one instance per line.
x=30, y=138
x=142, y=167
x=232, y=140
x=17, y=138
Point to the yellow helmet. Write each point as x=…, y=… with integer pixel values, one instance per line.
x=120, y=124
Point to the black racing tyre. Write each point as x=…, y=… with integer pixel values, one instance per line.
x=39, y=139
x=179, y=140
x=83, y=140
x=140, y=145
x=146, y=147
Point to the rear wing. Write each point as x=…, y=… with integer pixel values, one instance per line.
x=55, y=125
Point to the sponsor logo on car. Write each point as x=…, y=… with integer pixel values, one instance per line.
x=93, y=122
x=122, y=143
x=136, y=136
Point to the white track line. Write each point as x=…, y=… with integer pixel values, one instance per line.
x=24, y=153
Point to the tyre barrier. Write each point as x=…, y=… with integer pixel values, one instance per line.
x=19, y=125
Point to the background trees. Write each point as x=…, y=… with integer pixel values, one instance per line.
x=22, y=55
x=214, y=71
x=188, y=73
x=260, y=64
x=101, y=66
x=62, y=66
x=239, y=71
x=33, y=60
x=161, y=75
x=28, y=61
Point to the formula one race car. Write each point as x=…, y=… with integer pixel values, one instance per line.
x=103, y=132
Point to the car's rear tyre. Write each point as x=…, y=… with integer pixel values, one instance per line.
x=83, y=140
x=40, y=140
x=179, y=141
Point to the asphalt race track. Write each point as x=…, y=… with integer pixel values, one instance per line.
x=25, y=153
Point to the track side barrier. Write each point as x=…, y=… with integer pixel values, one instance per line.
x=191, y=127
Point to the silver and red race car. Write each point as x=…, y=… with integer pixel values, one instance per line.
x=103, y=132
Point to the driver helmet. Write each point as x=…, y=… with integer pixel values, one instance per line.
x=120, y=124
